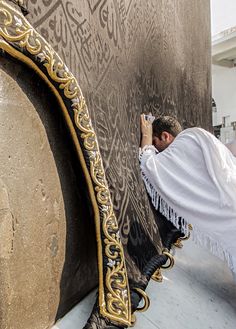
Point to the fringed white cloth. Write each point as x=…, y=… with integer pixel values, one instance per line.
x=193, y=181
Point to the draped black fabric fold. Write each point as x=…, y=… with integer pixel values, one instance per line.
x=106, y=62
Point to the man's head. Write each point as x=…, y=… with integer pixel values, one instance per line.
x=165, y=129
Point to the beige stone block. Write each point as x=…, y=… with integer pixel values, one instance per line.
x=32, y=214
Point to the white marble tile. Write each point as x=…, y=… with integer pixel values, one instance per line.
x=198, y=292
x=181, y=302
x=78, y=316
x=144, y=322
x=209, y=270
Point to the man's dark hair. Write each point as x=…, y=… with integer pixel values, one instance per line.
x=166, y=123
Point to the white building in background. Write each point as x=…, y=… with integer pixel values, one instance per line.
x=224, y=68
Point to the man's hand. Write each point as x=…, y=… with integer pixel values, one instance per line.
x=146, y=131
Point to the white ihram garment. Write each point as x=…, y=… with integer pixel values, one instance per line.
x=232, y=146
x=193, y=181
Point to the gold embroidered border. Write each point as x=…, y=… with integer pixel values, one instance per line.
x=20, y=40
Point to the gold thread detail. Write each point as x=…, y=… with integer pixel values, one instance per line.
x=178, y=244
x=133, y=320
x=19, y=35
x=170, y=260
x=187, y=237
x=157, y=276
x=145, y=298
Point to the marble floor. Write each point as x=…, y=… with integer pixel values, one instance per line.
x=199, y=292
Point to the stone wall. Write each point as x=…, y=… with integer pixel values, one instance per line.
x=47, y=236
x=129, y=56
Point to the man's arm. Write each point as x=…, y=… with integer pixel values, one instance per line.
x=146, y=131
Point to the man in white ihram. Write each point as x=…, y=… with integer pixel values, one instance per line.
x=232, y=146
x=191, y=178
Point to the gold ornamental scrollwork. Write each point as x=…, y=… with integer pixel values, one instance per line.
x=20, y=40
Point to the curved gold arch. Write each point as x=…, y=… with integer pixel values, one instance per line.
x=19, y=39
